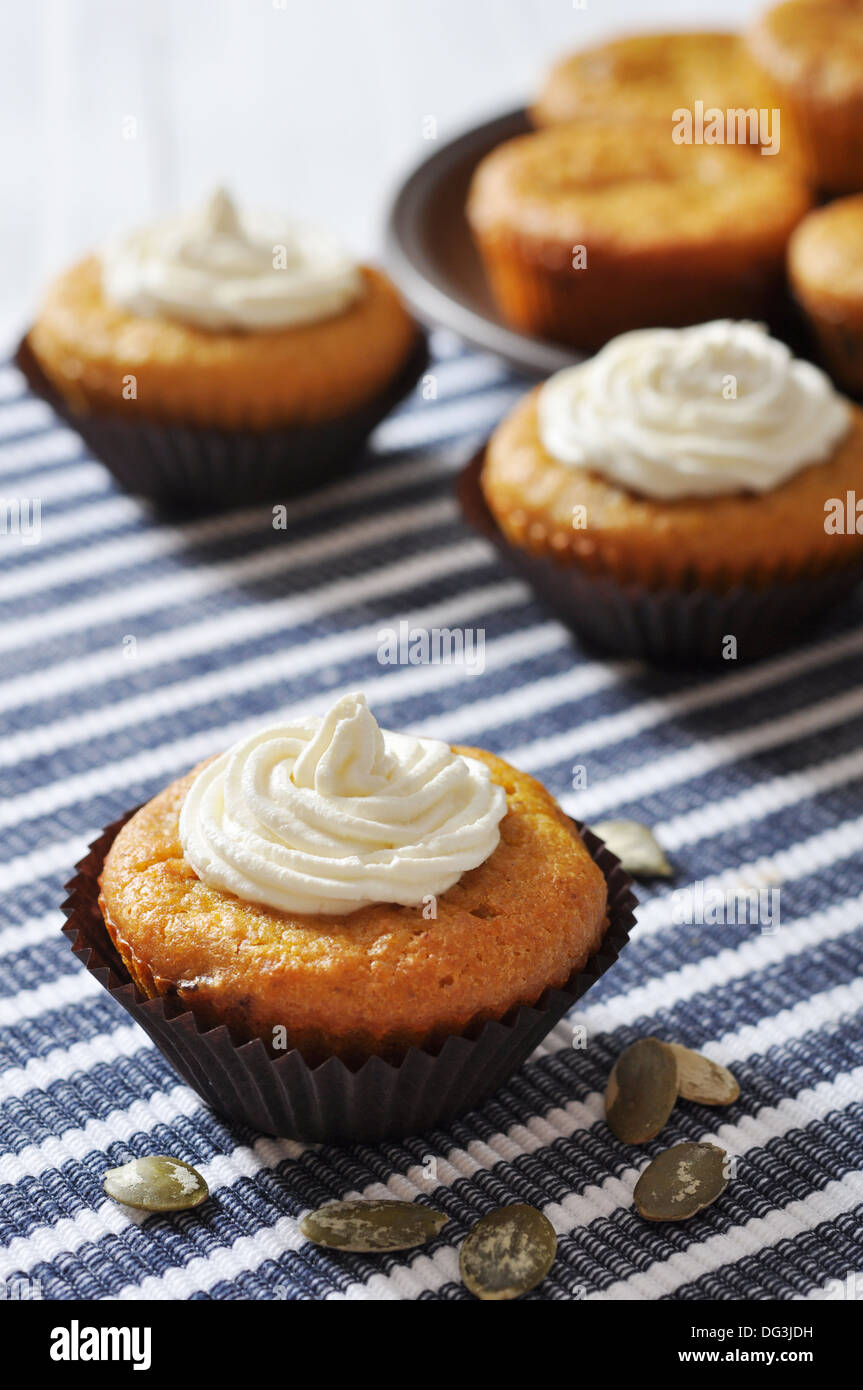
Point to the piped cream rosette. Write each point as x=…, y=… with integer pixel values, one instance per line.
x=221, y=269
x=693, y=412
x=325, y=816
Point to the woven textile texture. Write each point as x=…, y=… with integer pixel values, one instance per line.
x=129, y=649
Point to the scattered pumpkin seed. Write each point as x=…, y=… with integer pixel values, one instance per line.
x=681, y=1181
x=508, y=1252
x=641, y=1091
x=156, y=1183
x=700, y=1078
x=367, y=1226
x=636, y=847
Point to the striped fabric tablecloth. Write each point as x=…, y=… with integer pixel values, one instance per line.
x=131, y=649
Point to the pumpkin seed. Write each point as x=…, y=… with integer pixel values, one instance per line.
x=508, y=1252
x=700, y=1078
x=156, y=1183
x=364, y=1227
x=681, y=1181
x=636, y=847
x=641, y=1091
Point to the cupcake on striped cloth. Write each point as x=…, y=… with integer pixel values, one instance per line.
x=670, y=495
x=219, y=357
x=334, y=931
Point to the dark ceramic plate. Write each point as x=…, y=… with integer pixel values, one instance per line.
x=432, y=257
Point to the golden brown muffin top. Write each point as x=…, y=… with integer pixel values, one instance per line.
x=582, y=184
x=825, y=253
x=716, y=541
x=816, y=44
x=380, y=978
x=647, y=76
x=86, y=345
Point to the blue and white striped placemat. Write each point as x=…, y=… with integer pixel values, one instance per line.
x=130, y=649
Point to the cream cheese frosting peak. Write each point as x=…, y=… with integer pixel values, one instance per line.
x=327, y=815
x=218, y=268
x=348, y=755
x=694, y=412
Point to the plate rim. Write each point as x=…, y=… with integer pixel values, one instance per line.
x=434, y=305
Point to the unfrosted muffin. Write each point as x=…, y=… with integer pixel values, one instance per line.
x=348, y=892
x=812, y=53
x=585, y=234
x=825, y=265
x=696, y=459
x=216, y=320
x=646, y=77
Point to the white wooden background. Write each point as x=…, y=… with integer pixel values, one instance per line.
x=310, y=106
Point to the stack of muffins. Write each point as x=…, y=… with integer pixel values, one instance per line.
x=669, y=497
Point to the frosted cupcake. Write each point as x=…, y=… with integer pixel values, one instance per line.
x=363, y=890
x=218, y=321
x=691, y=472
x=335, y=931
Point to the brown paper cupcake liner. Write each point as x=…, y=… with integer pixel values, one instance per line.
x=829, y=140
x=671, y=626
x=190, y=468
x=331, y=1102
x=587, y=308
x=840, y=347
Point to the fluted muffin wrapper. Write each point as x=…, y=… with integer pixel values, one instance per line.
x=331, y=1102
x=675, y=626
x=545, y=297
x=840, y=343
x=828, y=135
x=194, y=469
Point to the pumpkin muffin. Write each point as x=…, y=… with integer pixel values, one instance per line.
x=215, y=321
x=825, y=265
x=812, y=53
x=646, y=77
x=585, y=234
x=701, y=466
x=330, y=887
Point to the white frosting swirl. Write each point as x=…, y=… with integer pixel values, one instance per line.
x=328, y=815
x=218, y=270
x=692, y=412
